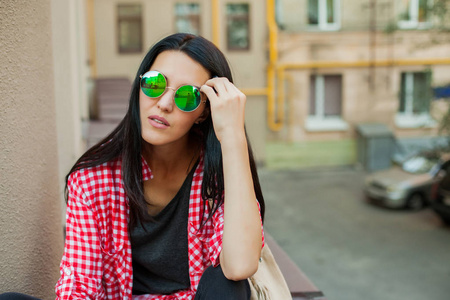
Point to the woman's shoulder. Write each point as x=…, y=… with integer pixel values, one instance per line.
x=106, y=172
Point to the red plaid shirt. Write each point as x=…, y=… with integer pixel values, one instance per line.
x=97, y=257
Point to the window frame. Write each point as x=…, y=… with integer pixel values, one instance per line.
x=120, y=19
x=319, y=121
x=408, y=95
x=413, y=22
x=408, y=118
x=320, y=98
x=323, y=25
x=190, y=17
x=247, y=18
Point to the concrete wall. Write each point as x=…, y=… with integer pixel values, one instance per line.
x=248, y=67
x=71, y=78
x=30, y=207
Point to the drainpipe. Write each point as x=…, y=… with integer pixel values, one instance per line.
x=91, y=37
x=274, y=124
x=290, y=98
x=215, y=22
x=373, y=43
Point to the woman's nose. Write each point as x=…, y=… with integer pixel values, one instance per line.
x=165, y=102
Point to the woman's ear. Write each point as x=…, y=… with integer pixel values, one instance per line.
x=203, y=116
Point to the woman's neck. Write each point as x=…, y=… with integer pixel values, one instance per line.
x=166, y=159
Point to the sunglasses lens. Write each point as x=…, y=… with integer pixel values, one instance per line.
x=187, y=98
x=153, y=84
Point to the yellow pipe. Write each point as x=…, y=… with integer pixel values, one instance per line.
x=281, y=68
x=273, y=31
x=432, y=61
x=216, y=23
x=280, y=97
x=271, y=99
x=290, y=97
x=91, y=36
x=274, y=125
x=254, y=91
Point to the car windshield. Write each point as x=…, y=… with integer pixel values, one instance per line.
x=419, y=164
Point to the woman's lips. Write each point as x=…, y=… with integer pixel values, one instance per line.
x=158, y=122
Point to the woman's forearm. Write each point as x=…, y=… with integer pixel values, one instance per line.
x=242, y=222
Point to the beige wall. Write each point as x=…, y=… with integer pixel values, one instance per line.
x=353, y=42
x=249, y=71
x=158, y=22
x=359, y=102
x=355, y=15
x=248, y=67
x=297, y=42
x=30, y=210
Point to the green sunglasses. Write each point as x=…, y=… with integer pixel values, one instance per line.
x=187, y=97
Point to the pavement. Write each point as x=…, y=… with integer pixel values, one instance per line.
x=349, y=248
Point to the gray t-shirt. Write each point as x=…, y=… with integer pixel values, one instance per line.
x=160, y=249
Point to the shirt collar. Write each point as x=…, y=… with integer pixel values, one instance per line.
x=146, y=172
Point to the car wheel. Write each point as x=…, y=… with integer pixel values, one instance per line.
x=415, y=202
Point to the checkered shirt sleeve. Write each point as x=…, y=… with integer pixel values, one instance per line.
x=80, y=268
x=215, y=243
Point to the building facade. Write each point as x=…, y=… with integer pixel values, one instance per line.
x=346, y=62
x=323, y=68
x=124, y=30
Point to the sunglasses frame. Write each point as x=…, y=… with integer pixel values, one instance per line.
x=175, y=91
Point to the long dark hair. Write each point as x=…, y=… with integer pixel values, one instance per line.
x=125, y=141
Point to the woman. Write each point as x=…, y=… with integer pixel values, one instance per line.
x=168, y=206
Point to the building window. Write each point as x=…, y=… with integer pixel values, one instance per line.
x=324, y=14
x=325, y=95
x=325, y=103
x=129, y=28
x=238, y=32
x=415, y=93
x=414, y=14
x=187, y=18
x=415, y=100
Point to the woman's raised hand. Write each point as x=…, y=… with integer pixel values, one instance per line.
x=241, y=249
x=227, y=107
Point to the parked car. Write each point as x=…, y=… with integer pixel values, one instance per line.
x=407, y=185
x=440, y=195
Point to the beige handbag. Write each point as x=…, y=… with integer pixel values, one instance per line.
x=268, y=282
